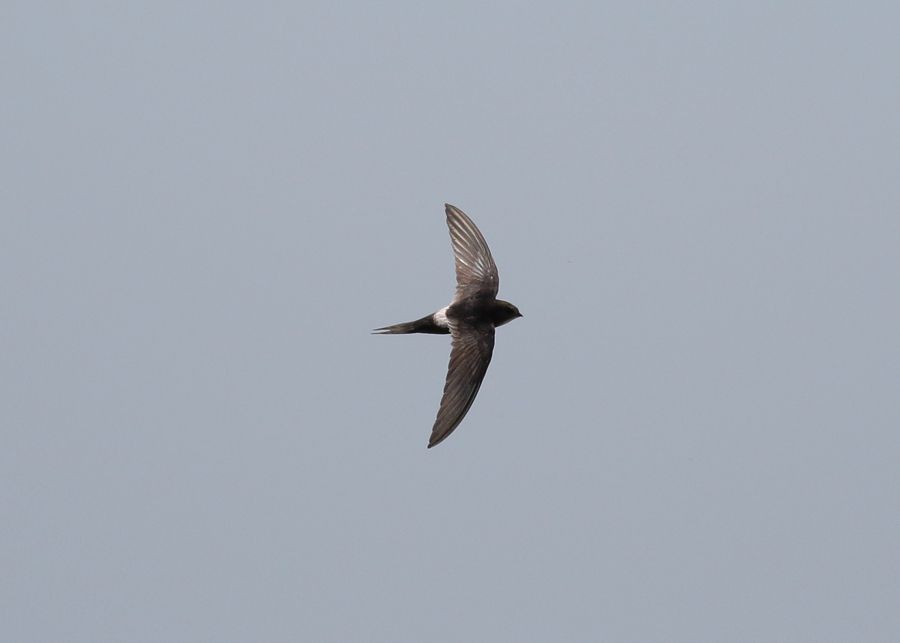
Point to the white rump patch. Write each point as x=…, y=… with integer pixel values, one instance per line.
x=440, y=317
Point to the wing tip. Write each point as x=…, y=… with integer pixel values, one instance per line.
x=441, y=433
x=452, y=210
x=434, y=441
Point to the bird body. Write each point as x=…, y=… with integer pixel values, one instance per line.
x=470, y=319
x=478, y=311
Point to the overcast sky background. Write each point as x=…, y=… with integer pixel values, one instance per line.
x=692, y=435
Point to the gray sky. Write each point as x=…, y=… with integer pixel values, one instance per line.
x=692, y=435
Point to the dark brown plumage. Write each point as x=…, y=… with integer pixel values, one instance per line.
x=470, y=319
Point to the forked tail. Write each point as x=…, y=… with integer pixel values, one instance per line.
x=424, y=325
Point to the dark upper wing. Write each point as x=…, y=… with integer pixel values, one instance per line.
x=469, y=359
x=476, y=271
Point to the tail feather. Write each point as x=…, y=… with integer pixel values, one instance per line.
x=424, y=325
x=396, y=329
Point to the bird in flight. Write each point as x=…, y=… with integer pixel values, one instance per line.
x=470, y=320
